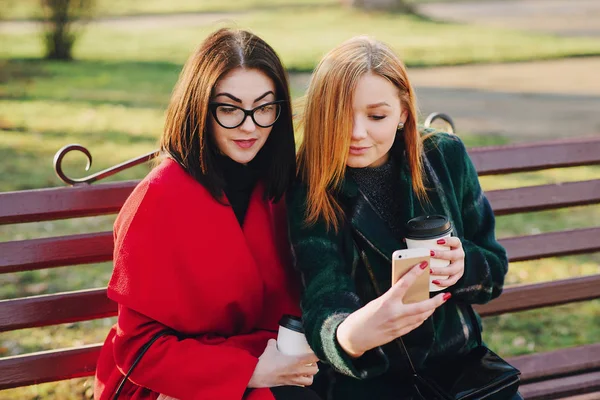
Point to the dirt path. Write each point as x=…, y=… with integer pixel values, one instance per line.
x=561, y=17
x=524, y=101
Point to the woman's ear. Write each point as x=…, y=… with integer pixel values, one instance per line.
x=403, y=116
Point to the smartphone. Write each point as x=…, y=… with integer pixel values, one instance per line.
x=402, y=262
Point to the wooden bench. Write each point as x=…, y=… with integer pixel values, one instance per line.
x=557, y=374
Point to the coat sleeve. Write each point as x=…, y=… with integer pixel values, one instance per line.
x=200, y=367
x=486, y=263
x=329, y=292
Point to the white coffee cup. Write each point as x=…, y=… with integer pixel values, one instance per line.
x=290, y=338
x=424, y=232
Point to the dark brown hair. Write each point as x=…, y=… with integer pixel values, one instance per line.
x=185, y=137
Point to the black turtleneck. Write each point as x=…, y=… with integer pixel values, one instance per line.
x=240, y=181
x=381, y=185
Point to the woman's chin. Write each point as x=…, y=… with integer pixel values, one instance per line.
x=357, y=161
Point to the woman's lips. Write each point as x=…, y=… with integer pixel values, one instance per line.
x=356, y=150
x=245, y=143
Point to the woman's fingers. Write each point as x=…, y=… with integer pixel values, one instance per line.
x=309, y=369
x=408, y=329
x=450, y=281
x=452, y=269
x=415, y=319
x=453, y=242
x=307, y=359
x=450, y=255
x=424, y=306
x=301, y=380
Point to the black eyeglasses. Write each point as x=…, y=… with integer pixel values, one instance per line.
x=230, y=116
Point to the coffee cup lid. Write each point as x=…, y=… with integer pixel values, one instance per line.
x=427, y=226
x=292, y=322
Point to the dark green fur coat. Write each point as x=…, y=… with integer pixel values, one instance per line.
x=336, y=282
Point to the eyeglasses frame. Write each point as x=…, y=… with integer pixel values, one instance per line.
x=214, y=105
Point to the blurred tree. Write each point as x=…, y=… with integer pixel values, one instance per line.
x=63, y=20
x=403, y=6
x=8, y=4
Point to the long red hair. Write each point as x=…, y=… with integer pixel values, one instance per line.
x=327, y=122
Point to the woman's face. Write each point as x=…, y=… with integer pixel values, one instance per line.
x=376, y=114
x=248, y=89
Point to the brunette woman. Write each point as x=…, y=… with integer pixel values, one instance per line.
x=201, y=263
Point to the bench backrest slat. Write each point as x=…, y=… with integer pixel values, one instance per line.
x=25, y=255
x=558, y=363
x=52, y=309
x=107, y=198
x=536, y=156
x=89, y=304
x=63, y=202
x=552, y=244
x=544, y=197
x=566, y=388
x=537, y=295
x=98, y=247
x=48, y=366
x=55, y=365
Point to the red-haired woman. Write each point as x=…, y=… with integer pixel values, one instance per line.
x=365, y=170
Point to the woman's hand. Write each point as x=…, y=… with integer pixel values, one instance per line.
x=387, y=317
x=456, y=256
x=277, y=369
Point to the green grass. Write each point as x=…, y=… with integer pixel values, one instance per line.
x=29, y=9
x=309, y=34
x=74, y=389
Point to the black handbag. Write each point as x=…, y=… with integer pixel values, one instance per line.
x=479, y=374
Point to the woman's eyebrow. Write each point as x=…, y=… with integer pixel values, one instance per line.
x=383, y=103
x=264, y=95
x=232, y=97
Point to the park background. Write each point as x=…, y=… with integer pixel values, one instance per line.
x=506, y=71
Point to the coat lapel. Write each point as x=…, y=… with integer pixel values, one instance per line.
x=261, y=233
x=372, y=229
x=258, y=229
x=366, y=222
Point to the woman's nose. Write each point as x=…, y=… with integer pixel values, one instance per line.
x=248, y=125
x=359, y=131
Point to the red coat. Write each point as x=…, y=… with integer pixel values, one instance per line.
x=181, y=261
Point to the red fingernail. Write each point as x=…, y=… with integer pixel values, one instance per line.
x=441, y=241
x=447, y=296
x=432, y=253
x=423, y=265
x=435, y=282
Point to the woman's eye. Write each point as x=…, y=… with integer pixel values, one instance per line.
x=266, y=109
x=227, y=110
x=377, y=117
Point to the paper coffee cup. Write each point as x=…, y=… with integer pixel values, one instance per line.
x=290, y=338
x=424, y=232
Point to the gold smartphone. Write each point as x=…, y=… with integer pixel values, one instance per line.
x=402, y=262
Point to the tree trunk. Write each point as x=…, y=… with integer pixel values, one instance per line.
x=59, y=45
x=60, y=17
